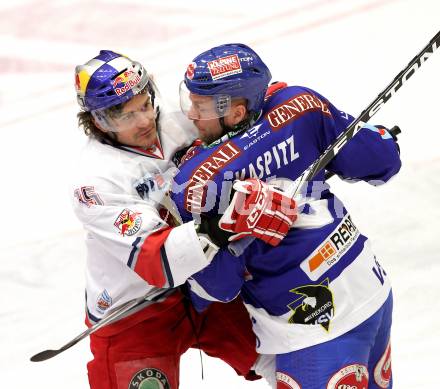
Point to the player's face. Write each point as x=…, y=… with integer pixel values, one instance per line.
x=136, y=124
x=209, y=130
x=208, y=126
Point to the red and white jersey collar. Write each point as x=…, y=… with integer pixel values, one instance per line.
x=154, y=151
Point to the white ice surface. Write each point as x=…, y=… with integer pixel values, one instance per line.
x=347, y=50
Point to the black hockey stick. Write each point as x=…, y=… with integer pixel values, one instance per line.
x=153, y=295
x=367, y=114
x=239, y=246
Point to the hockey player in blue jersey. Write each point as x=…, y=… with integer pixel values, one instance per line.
x=320, y=301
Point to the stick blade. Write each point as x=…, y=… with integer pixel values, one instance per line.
x=45, y=355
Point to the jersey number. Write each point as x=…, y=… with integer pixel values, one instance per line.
x=86, y=195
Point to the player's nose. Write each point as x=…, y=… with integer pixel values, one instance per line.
x=144, y=118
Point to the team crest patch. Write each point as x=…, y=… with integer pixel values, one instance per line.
x=285, y=381
x=128, y=222
x=149, y=378
x=351, y=376
x=225, y=66
x=315, y=306
x=103, y=302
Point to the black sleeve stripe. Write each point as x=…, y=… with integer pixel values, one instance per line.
x=131, y=258
x=166, y=266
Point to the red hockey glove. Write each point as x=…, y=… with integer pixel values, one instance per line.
x=260, y=210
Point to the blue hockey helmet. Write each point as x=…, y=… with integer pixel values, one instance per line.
x=107, y=80
x=232, y=70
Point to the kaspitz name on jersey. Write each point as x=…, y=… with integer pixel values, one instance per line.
x=264, y=165
x=279, y=155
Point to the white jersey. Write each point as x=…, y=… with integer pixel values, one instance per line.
x=125, y=260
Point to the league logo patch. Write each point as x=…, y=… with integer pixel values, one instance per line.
x=285, y=381
x=103, y=302
x=382, y=371
x=128, y=222
x=125, y=81
x=225, y=66
x=351, y=376
x=315, y=306
x=149, y=378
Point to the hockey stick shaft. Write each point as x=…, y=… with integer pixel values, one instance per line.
x=119, y=312
x=395, y=131
x=116, y=314
x=368, y=113
x=239, y=246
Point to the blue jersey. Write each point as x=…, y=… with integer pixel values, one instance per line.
x=323, y=279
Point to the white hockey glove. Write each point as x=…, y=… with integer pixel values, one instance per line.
x=260, y=210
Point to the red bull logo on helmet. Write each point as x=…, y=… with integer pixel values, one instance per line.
x=125, y=82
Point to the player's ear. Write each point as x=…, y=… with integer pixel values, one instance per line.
x=239, y=112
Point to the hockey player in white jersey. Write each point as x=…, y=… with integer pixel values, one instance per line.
x=133, y=245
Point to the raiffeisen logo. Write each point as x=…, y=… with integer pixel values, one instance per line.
x=125, y=81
